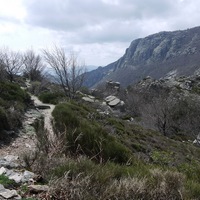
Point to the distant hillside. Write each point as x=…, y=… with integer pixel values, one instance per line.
x=157, y=55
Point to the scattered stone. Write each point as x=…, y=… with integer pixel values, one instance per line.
x=114, y=102
x=42, y=107
x=27, y=176
x=11, y=158
x=91, y=97
x=20, y=177
x=113, y=86
x=16, y=177
x=88, y=99
x=2, y=170
x=8, y=164
x=8, y=194
x=110, y=98
x=104, y=103
x=38, y=188
x=28, y=146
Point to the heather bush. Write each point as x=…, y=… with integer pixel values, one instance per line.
x=12, y=92
x=49, y=97
x=13, y=102
x=87, y=137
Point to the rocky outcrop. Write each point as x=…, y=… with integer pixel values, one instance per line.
x=8, y=194
x=112, y=85
x=12, y=167
x=112, y=101
x=89, y=98
x=156, y=55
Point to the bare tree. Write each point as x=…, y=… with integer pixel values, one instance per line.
x=68, y=72
x=33, y=66
x=12, y=62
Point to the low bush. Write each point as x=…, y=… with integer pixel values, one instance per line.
x=49, y=97
x=12, y=92
x=84, y=136
x=6, y=182
x=13, y=102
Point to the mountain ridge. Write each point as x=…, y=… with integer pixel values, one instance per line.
x=156, y=55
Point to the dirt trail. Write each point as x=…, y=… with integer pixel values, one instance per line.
x=47, y=115
x=26, y=140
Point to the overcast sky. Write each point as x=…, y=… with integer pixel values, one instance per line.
x=98, y=30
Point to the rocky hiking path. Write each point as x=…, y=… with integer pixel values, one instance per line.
x=46, y=110
x=26, y=138
x=11, y=164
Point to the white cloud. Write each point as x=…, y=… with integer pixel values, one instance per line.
x=100, y=30
x=12, y=9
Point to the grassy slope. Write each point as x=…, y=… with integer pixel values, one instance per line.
x=146, y=150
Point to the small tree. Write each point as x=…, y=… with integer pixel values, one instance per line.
x=12, y=62
x=33, y=66
x=68, y=72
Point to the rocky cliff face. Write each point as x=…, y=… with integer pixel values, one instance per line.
x=158, y=55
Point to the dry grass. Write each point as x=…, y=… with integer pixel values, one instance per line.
x=160, y=185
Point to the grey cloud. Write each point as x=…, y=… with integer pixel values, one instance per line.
x=8, y=19
x=97, y=21
x=74, y=14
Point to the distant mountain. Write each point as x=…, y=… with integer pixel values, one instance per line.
x=159, y=55
x=90, y=67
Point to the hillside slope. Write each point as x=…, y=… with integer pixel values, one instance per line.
x=157, y=55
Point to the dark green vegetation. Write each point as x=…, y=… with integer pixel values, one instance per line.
x=84, y=135
x=104, y=157
x=13, y=102
x=51, y=97
x=6, y=182
x=143, y=151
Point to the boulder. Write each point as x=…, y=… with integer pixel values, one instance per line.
x=2, y=170
x=110, y=98
x=8, y=194
x=11, y=158
x=38, y=188
x=27, y=176
x=88, y=99
x=114, y=102
x=4, y=162
x=17, y=177
x=20, y=177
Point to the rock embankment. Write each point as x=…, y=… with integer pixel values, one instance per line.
x=12, y=169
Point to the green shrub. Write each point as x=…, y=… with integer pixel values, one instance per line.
x=119, y=125
x=191, y=170
x=13, y=102
x=49, y=97
x=12, y=92
x=162, y=157
x=192, y=189
x=6, y=182
x=87, y=137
